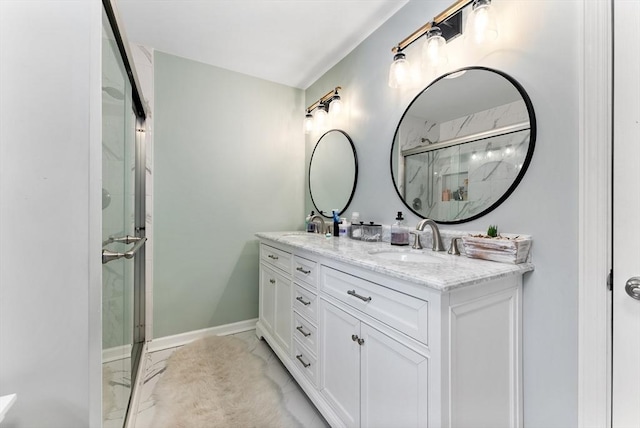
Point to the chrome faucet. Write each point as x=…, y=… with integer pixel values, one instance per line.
x=321, y=225
x=437, y=241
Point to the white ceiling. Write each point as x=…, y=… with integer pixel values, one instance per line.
x=463, y=94
x=292, y=42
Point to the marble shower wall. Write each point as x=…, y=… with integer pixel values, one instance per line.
x=462, y=180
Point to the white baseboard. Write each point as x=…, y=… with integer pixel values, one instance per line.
x=184, y=338
x=116, y=353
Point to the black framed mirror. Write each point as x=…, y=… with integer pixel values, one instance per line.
x=333, y=172
x=463, y=145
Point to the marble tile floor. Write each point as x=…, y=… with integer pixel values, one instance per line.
x=294, y=399
x=116, y=378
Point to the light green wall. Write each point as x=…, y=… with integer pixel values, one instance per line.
x=545, y=203
x=228, y=162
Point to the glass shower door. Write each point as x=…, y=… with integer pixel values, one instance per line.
x=120, y=306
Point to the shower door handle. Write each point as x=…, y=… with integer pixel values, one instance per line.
x=108, y=256
x=126, y=239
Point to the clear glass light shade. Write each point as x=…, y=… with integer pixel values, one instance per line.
x=321, y=117
x=308, y=123
x=400, y=71
x=433, y=50
x=336, y=105
x=481, y=24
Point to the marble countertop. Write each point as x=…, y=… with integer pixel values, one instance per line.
x=447, y=273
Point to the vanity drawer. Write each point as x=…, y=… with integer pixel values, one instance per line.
x=275, y=257
x=305, y=332
x=400, y=311
x=305, y=270
x=305, y=303
x=306, y=362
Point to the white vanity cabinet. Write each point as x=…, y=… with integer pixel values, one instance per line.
x=370, y=379
x=276, y=289
x=305, y=321
x=373, y=349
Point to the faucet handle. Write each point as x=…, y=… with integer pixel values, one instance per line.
x=453, y=248
x=417, y=245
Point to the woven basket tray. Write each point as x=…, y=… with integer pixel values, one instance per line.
x=515, y=250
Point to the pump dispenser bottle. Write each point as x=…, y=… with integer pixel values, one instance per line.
x=399, y=232
x=309, y=225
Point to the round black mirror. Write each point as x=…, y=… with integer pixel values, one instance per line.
x=463, y=145
x=333, y=172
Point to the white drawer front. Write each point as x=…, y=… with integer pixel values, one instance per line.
x=276, y=257
x=306, y=362
x=305, y=303
x=405, y=313
x=305, y=332
x=305, y=270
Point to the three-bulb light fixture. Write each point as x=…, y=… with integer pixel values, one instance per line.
x=480, y=28
x=328, y=103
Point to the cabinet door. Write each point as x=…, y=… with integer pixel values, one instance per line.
x=340, y=362
x=394, y=381
x=283, y=312
x=267, y=297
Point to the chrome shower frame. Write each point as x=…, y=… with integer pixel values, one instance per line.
x=139, y=286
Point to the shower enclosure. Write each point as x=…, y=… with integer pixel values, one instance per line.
x=123, y=220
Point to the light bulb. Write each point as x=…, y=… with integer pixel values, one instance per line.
x=481, y=24
x=336, y=105
x=400, y=72
x=308, y=123
x=433, y=53
x=321, y=117
x=508, y=150
x=474, y=155
x=489, y=151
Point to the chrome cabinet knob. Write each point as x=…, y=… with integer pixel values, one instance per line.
x=633, y=287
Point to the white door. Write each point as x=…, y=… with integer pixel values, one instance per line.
x=267, y=298
x=392, y=398
x=283, y=313
x=340, y=362
x=626, y=215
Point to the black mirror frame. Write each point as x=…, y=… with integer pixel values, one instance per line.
x=355, y=178
x=527, y=160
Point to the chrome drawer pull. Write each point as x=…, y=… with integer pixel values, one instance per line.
x=355, y=338
x=271, y=256
x=301, y=300
x=354, y=294
x=299, y=357
x=301, y=330
x=273, y=281
x=301, y=269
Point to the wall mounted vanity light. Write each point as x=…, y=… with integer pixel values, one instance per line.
x=481, y=27
x=328, y=103
x=481, y=24
x=433, y=54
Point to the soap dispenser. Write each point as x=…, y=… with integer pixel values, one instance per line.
x=336, y=223
x=399, y=232
x=309, y=225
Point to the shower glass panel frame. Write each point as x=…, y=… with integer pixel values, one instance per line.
x=124, y=173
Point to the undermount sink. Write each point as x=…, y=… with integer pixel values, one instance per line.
x=301, y=235
x=407, y=256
